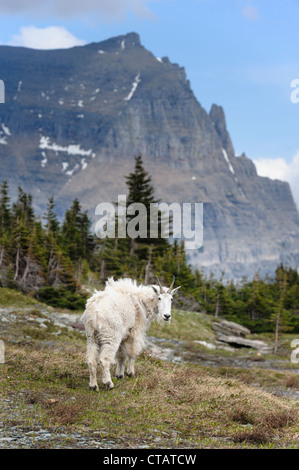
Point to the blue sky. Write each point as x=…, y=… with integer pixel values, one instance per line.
x=240, y=54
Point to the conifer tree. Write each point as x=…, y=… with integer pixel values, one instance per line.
x=52, y=224
x=76, y=238
x=141, y=190
x=5, y=213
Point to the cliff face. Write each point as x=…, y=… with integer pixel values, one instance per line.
x=74, y=120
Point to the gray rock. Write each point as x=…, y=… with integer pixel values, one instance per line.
x=165, y=354
x=230, y=328
x=232, y=333
x=242, y=342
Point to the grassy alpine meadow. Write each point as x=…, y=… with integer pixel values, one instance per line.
x=44, y=389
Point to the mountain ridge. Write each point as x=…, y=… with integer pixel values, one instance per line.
x=74, y=120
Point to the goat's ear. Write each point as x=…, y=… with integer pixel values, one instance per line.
x=155, y=289
x=174, y=290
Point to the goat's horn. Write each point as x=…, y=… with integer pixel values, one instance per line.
x=160, y=285
x=172, y=284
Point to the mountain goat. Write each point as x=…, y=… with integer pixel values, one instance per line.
x=116, y=320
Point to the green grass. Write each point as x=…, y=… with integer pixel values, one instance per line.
x=178, y=403
x=44, y=384
x=13, y=298
x=184, y=326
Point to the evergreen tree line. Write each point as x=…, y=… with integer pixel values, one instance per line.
x=57, y=261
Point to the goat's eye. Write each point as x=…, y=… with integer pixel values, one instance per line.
x=159, y=298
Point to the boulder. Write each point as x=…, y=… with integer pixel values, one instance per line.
x=237, y=341
x=233, y=334
x=229, y=328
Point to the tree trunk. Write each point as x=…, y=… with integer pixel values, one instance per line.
x=147, y=268
x=102, y=271
x=17, y=263
x=276, y=332
x=25, y=271
x=2, y=256
x=133, y=245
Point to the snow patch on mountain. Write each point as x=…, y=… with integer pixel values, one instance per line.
x=71, y=172
x=228, y=162
x=45, y=160
x=70, y=149
x=134, y=87
x=64, y=166
x=6, y=130
x=84, y=163
x=233, y=172
x=4, y=134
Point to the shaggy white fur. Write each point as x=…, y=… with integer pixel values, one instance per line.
x=116, y=320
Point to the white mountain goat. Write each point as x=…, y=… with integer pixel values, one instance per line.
x=116, y=320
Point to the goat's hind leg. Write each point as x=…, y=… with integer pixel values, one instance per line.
x=106, y=358
x=121, y=359
x=92, y=360
x=133, y=347
x=131, y=367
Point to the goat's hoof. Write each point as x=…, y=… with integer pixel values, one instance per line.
x=130, y=374
x=109, y=385
x=121, y=376
x=94, y=388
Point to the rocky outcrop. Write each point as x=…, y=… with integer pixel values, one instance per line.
x=225, y=327
x=234, y=334
x=75, y=119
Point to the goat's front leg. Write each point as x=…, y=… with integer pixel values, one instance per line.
x=92, y=360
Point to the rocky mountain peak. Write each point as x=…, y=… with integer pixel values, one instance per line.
x=74, y=120
x=218, y=119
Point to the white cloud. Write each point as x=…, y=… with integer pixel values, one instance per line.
x=51, y=37
x=251, y=13
x=278, y=168
x=104, y=9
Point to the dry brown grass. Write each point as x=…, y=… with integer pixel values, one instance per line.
x=64, y=413
x=163, y=396
x=257, y=435
x=267, y=427
x=241, y=415
x=292, y=382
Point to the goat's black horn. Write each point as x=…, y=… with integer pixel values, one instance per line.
x=172, y=284
x=160, y=285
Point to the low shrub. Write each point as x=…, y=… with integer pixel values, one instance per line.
x=62, y=298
